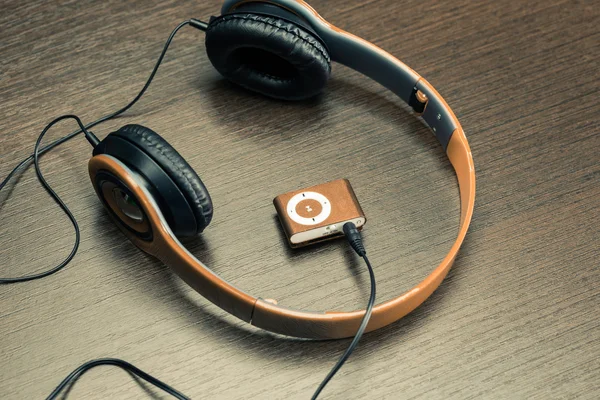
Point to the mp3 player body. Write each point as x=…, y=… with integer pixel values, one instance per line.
x=319, y=212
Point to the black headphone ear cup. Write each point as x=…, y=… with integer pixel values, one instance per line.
x=269, y=55
x=186, y=179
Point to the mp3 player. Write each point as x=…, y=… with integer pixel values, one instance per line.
x=319, y=212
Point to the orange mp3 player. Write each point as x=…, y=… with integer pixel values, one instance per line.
x=319, y=212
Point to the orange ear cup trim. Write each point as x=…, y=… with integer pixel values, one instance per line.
x=165, y=246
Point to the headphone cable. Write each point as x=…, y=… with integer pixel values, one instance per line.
x=352, y=234
x=70, y=380
x=355, y=240
x=82, y=128
x=36, y=153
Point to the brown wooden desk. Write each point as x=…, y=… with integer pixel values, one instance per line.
x=518, y=315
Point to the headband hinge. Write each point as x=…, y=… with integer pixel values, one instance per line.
x=418, y=101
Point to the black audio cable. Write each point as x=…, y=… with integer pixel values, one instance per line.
x=354, y=238
x=36, y=161
x=350, y=230
x=132, y=369
x=82, y=128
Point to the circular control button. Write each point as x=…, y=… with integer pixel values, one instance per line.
x=309, y=208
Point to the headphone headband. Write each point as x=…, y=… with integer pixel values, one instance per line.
x=380, y=66
x=373, y=62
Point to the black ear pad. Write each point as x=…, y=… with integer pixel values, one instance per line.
x=269, y=55
x=176, y=167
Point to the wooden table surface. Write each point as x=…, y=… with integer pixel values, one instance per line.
x=518, y=315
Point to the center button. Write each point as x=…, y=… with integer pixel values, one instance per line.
x=309, y=208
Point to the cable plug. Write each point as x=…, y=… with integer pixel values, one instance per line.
x=354, y=238
x=196, y=23
x=89, y=135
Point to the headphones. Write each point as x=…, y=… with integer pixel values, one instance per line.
x=282, y=49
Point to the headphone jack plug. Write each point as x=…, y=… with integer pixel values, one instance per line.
x=354, y=238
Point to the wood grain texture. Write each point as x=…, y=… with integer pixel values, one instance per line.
x=517, y=316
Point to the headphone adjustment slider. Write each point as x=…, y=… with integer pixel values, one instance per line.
x=418, y=101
